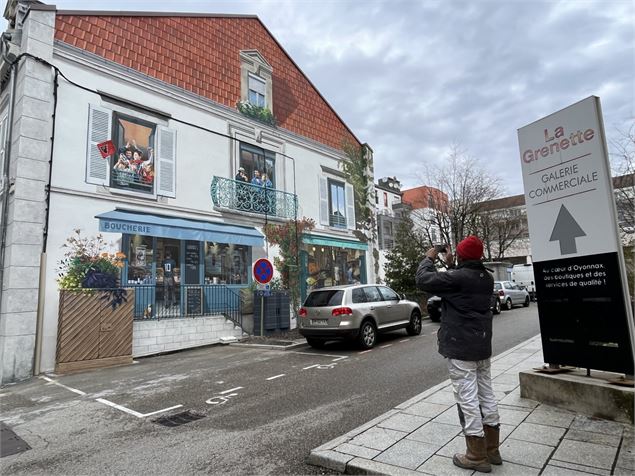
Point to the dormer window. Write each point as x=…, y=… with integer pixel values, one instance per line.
x=257, y=91
x=256, y=80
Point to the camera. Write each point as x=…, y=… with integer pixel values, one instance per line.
x=441, y=248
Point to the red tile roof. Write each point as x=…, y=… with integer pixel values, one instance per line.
x=200, y=53
x=424, y=197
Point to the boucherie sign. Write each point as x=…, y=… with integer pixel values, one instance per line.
x=583, y=303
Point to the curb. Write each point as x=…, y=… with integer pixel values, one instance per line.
x=295, y=345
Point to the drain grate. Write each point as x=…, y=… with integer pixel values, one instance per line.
x=178, y=419
x=10, y=443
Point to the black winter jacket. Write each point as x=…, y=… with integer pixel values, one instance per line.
x=466, y=317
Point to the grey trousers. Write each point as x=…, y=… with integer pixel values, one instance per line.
x=472, y=385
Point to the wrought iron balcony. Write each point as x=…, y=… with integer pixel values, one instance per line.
x=231, y=194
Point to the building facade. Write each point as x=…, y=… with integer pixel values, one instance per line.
x=138, y=126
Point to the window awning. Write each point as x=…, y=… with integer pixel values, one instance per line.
x=328, y=241
x=136, y=223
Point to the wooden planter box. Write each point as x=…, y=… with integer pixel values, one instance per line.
x=91, y=334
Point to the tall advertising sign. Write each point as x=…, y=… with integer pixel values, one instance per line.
x=585, y=316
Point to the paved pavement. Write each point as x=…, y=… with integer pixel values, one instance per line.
x=421, y=435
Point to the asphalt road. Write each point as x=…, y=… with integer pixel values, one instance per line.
x=261, y=411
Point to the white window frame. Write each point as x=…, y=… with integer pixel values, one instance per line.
x=252, y=80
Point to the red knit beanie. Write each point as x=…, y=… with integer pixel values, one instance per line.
x=471, y=248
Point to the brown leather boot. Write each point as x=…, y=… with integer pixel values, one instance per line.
x=476, y=455
x=492, y=434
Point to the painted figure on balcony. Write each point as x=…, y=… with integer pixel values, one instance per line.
x=256, y=180
x=241, y=176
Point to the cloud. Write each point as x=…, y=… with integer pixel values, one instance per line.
x=412, y=77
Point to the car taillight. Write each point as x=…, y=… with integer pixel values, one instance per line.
x=302, y=312
x=501, y=293
x=342, y=311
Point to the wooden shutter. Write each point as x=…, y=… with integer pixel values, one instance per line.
x=99, y=130
x=350, y=207
x=324, y=200
x=166, y=163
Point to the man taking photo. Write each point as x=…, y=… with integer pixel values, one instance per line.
x=465, y=340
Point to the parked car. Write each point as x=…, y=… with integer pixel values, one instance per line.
x=356, y=312
x=434, y=306
x=511, y=294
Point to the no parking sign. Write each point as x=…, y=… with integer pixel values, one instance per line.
x=263, y=271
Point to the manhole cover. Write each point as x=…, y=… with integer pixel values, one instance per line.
x=178, y=419
x=10, y=443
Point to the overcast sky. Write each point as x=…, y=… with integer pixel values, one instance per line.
x=413, y=77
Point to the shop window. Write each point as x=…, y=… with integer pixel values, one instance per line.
x=257, y=90
x=331, y=266
x=140, y=260
x=144, y=157
x=226, y=263
x=263, y=161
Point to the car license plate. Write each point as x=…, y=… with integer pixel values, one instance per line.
x=319, y=322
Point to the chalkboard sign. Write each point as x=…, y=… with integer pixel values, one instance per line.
x=193, y=301
x=192, y=261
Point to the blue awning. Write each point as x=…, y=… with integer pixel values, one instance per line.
x=336, y=242
x=136, y=223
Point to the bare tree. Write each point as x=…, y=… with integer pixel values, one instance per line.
x=623, y=164
x=454, y=208
x=500, y=229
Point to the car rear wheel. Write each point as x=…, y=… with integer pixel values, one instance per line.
x=367, y=335
x=526, y=303
x=508, y=304
x=414, y=328
x=315, y=343
x=497, y=307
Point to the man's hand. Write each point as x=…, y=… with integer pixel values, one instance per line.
x=432, y=253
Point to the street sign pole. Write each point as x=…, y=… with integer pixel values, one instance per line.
x=584, y=310
x=262, y=273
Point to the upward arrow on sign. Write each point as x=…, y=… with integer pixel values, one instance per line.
x=566, y=230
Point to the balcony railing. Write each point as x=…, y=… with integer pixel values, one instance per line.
x=245, y=197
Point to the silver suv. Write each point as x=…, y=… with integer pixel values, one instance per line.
x=510, y=294
x=356, y=312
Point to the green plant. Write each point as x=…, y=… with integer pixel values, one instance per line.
x=404, y=258
x=287, y=236
x=87, y=262
x=358, y=168
x=261, y=114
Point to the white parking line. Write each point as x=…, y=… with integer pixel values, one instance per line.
x=365, y=351
x=310, y=367
x=405, y=340
x=132, y=412
x=74, y=390
x=276, y=376
x=385, y=345
x=230, y=390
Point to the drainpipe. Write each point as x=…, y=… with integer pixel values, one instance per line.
x=7, y=159
x=39, y=326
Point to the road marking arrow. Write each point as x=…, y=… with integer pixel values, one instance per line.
x=566, y=230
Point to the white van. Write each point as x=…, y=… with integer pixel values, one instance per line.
x=523, y=275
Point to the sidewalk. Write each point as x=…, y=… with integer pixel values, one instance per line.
x=420, y=436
